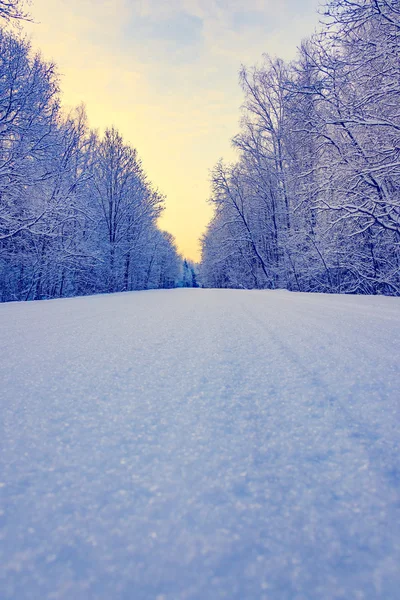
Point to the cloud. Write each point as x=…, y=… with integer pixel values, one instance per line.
x=242, y=20
x=175, y=37
x=180, y=29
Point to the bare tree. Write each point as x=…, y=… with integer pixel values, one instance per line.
x=13, y=10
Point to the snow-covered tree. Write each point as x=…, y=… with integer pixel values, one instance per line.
x=313, y=202
x=77, y=213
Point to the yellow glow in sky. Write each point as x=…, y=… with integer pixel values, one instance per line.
x=165, y=73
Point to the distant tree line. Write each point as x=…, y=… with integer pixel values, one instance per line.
x=313, y=202
x=78, y=214
x=189, y=274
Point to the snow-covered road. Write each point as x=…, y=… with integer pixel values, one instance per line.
x=200, y=444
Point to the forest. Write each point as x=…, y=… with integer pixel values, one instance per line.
x=313, y=202
x=78, y=214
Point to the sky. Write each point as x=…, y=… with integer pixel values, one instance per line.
x=165, y=73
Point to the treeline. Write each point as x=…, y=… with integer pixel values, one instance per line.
x=313, y=202
x=78, y=214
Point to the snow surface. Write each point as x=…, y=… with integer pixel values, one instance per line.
x=200, y=444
